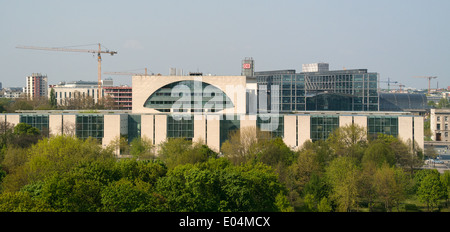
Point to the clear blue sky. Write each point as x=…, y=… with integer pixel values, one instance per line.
x=396, y=38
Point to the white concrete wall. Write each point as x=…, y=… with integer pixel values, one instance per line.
x=290, y=131
x=233, y=86
x=114, y=126
x=405, y=128
x=304, y=129
x=418, y=131
x=147, y=127
x=200, y=129
x=213, y=132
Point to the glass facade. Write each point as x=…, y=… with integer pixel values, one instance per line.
x=90, y=126
x=228, y=125
x=345, y=90
x=134, y=127
x=189, y=96
x=274, y=126
x=322, y=126
x=38, y=121
x=180, y=127
x=402, y=101
x=382, y=124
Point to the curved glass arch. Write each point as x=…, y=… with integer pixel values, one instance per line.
x=188, y=96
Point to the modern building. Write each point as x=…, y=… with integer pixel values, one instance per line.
x=319, y=89
x=410, y=102
x=207, y=108
x=36, y=86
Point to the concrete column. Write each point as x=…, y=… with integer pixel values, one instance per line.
x=200, y=128
x=147, y=127
x=160, y=128
x=405, y=130
x=418, y=131
x=213, y=132
x=55, y=124
x=345, y=120
x=304, y=129
x=290, y=130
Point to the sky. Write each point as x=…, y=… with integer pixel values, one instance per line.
x=398, y=39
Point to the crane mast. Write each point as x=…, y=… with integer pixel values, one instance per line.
x=98, y=52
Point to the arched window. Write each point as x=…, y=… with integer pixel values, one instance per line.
x=188, y=96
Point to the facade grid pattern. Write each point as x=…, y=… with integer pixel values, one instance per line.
x=180, y=127
x=41, y=122
x=323, y=126
x=90, y=126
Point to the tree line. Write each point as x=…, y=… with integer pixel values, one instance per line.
x=254, y=172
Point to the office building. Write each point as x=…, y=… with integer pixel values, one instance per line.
x=207, y=108
x=320, y=89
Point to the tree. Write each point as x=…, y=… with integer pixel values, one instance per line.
x=142, y=148
x=21, y=202
x=124, y=196
x=431, y=190
x=379, y=153
x=57, y=154
x=177, y=151
x=53, y=103
x=445, y=179
x=348, y=140
x=25, y=129
x=343, y=176
x=241, y=145
x=390, y=185
x=217, y=185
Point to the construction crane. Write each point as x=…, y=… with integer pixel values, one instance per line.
x=67, y=49
x=400, y=85
x=389, y=83
x=127, y=73
x=429, y=81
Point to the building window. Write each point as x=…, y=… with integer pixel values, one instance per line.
x=274, y=126
x=134, y=127
x=322, y=126
x=382, y=125
x=183, y=96
x=38, y=121
x=228, y=125
x=438, y=126
x=438, y=118
x=180, y=127
x=90, y=126
x=446, y=118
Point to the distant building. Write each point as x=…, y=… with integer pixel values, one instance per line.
x=36, y=86
x=12, y=92
x=319, y=89
x=122, y=96
x=316, y=67
x=84, y=89
x=65, y=91
x=439, y=124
